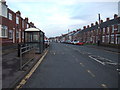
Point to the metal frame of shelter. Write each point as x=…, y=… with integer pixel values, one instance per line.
x=34, y=37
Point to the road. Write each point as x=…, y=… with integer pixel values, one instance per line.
x=71, y=66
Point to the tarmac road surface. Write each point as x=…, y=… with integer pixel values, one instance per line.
x=71, y=66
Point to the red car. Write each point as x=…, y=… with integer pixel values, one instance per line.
x=80, y=43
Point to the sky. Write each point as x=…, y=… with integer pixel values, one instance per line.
x=55, y=17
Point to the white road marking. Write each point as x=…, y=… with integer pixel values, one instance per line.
x=118, y=69
x=97, y=60
x=90, y=73
x=106, y=61
x=104, y=86
x=112, y=63
x=82, y=64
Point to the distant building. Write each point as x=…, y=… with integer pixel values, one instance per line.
x=108, y=34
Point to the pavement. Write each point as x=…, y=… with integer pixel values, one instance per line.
x=11, y=73
x=104, y=48
x=72, y=66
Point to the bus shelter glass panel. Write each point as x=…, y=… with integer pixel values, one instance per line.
x=34, y=39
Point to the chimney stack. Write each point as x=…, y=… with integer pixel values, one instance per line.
x=96, y=23
x=88, y=26
x=107, y=19
x=84, y=27
x=18, y=13
x=101, y=21
x=115, y=16
x=3, y=2
x=26, y=19
x=92, y=24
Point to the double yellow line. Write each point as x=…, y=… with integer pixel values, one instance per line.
x=24, y=80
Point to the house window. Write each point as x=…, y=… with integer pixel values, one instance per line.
x=10, y=34
x=10, y=16
x=112, y=38
x=4, y=31
x=17, y=20
x=103, y=30
x=27, y=26
x=97, y=31
x=103, y=38
x=116, y=40
x=23, y=34
x=112, y=28
x=17, y=34
x=108, y=30
x=23, y=24
x=107, y=38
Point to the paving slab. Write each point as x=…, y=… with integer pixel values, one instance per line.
x=11, y=73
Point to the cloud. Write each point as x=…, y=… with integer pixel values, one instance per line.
x=64, y=1
x=54, y=17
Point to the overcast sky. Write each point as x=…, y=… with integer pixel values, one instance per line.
x=55, y=17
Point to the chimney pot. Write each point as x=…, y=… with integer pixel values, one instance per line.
x=26, y=19
x=101, y=21
x=18, y=13
x=92, y=24
x=115, y=16
x=88, y=26
x=96, y=23
x=84, y=27
x=107, y=19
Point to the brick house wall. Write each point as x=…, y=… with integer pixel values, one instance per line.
x=14, y=24
x=108, y=33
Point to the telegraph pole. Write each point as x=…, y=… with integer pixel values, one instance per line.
x=100, y=33
x=99, y=18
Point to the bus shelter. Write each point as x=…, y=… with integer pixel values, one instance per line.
x=34, y=37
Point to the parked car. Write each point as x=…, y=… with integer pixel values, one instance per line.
x=68, y=42
x=74, y=42
x=80, y=43
x=47, y=43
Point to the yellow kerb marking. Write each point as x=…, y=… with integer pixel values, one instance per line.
x=23, y=81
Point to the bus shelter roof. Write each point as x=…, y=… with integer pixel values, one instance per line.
x=32, y=29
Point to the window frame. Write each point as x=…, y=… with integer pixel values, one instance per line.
x=5, y=35
x=17, y=20
x=10, y=16
x=17, y=34
x=11, y=31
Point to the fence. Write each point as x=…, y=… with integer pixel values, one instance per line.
x=26, y=54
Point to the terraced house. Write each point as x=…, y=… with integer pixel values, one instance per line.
x=12, y=25
x=107, y=32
